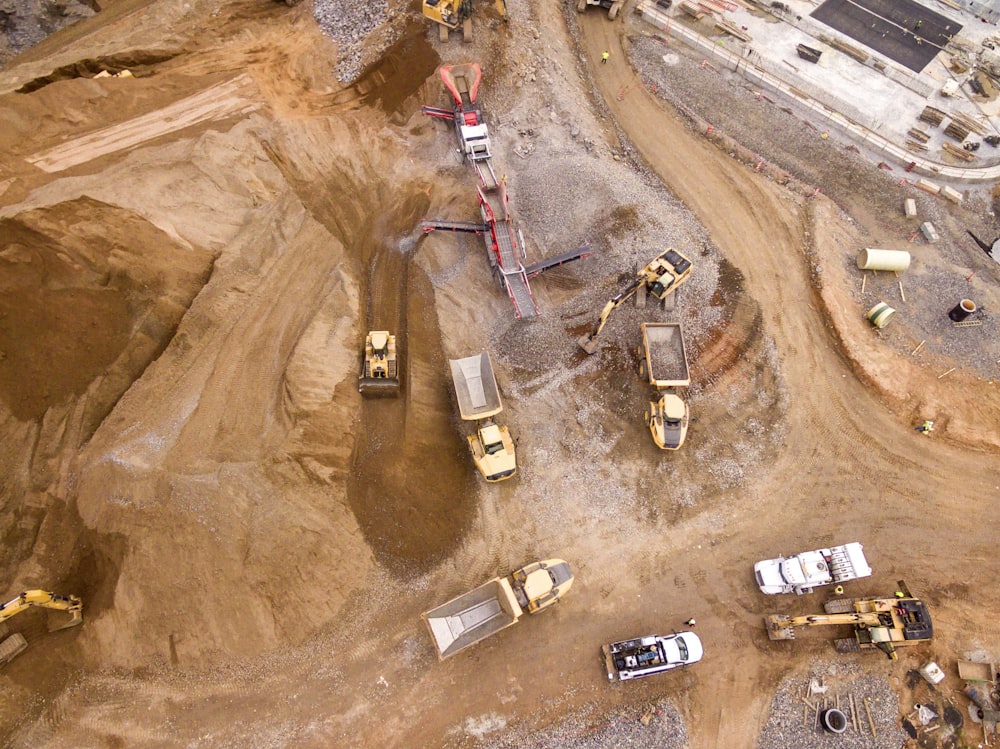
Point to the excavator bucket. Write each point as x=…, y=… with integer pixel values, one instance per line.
x=76, y=617
x=778, y=627
x=588, y=343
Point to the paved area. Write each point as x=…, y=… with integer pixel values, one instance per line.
x=902, y=30
x=881, y=96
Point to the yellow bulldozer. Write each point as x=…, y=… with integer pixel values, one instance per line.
x=879, y=623
x=452, y=14
x=379, y=370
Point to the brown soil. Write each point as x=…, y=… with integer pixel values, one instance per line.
x=186, y=448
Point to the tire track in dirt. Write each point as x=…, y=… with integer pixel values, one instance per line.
x=411, y=488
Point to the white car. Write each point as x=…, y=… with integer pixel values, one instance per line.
x=654, y=654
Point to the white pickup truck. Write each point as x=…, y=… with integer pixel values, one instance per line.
x=812, y=569
x=653, y=654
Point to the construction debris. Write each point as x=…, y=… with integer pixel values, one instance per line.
x=932, y=115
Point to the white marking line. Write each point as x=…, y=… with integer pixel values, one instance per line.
x=217, y=102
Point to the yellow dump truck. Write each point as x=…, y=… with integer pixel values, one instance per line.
x=479, y=400
x=496, y=604
x=663, y=361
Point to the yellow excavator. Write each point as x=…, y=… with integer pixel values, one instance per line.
x=450, y=14
x=14, y=644
x=660, y=278
x=879, y=623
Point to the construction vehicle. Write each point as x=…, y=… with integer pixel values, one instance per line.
x=879, y=623
x=645, y=656
x=661, y=277
x=501, y=236
x=663, y=360
x=15, y=644
x=496, y=605
x=479, y=400
x=450, y=14
x=612, y=6
x=462, y=82
x=379, y=370
x=801, y=573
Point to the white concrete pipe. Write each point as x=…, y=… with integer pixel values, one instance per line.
x=897, y=260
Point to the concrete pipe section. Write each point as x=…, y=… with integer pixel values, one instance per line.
x=962, y=310
x=879, y=314
x=834, y=720
x=872, y=259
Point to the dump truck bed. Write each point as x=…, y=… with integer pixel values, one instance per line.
x=475, y=387
x=472, y=617
x=666, y=357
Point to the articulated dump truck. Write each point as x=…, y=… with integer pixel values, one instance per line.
x=663, y=360
x=479, y=400
x=496, y=604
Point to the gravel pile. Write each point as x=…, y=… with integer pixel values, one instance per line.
x=793, y=723
x=24, y=23
x=642, y=726
x=352, y=25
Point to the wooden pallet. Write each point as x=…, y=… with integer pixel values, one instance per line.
x=966, y=324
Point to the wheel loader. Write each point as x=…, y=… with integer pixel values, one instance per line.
x=379, y=374
x=879, y=623
x=452, y=14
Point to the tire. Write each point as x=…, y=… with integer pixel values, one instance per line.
x=467, y=30
x=613, y=13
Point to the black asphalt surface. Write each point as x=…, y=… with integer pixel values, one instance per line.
x=901, y=30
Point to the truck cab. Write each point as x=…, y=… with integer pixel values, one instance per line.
x=667, y=420
x=541, y=584
x=493, y=452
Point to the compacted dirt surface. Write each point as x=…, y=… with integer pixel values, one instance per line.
x=190, y=257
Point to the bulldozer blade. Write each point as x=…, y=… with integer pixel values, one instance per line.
x=378, y=387
x=587, y=343
x=777, y=627
x=76, y=617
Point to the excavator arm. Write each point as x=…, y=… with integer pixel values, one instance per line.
x=782, y=627
x=29, y=598
x=589, y=342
